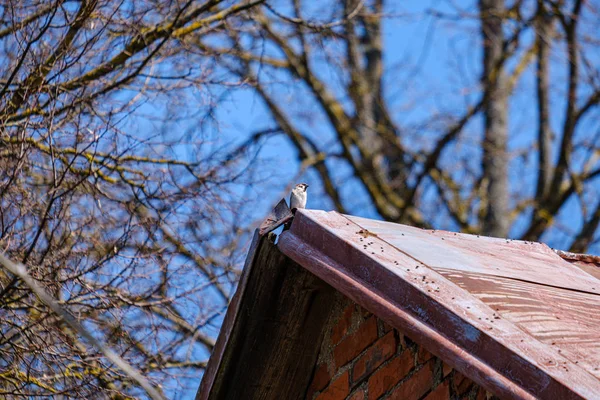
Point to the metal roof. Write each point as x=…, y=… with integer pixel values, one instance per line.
x=513, y=316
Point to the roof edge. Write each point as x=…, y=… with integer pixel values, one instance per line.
x=332, y=272
x=271, y=337
x=567, y=255
x=214, y=361
x=482, y=350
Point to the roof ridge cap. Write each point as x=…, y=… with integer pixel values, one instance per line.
x=567, y=255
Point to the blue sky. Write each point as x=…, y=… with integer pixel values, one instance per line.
x=432, y=68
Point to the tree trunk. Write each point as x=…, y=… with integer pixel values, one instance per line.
x=495, y=157
x=544, y=31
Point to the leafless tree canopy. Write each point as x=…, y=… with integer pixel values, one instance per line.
x=115, y=205
x=131, y=218
x=507, y=144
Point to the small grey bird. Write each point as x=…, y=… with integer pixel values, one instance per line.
x=298, y=197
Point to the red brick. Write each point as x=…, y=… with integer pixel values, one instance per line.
x=355, y=343
x=465, y=387
x=357, y=395
x=364, y=312
x=461, y=383
x=386, y=327
x=423, y=355
x=390, y=374
x=337, y=390
x=320, y=379
x=441, y=392
x=446, y=369
x=416, y=386
x=381, y=351
x=340, y=329
x=402, y=340
x=481, y=394
x=457, y=378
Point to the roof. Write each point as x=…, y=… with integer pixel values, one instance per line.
x=513, y=316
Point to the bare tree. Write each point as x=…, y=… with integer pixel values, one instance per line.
x=495, y=110
x=120, y=213
x=441, y=170
x=120, y=206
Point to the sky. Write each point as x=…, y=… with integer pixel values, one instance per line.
x=432, y=67
x=429, y=63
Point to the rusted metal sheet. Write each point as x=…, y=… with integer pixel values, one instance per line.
x=277, y=217
x=565, y=319
x=528, y=261
x=403, y=275
x=591, y=268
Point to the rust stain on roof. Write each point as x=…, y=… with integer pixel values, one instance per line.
x=513, y=316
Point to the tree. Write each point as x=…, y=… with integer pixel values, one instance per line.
x=114, y=197
x=116, y=210
x=453, y=165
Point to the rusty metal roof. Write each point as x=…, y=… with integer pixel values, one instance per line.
x=513, y=316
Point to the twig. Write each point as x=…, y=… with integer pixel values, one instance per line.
x=20, y=271
x=315, y=26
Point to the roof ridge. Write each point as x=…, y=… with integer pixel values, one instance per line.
x=567, y=255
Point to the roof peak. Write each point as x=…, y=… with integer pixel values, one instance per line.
x=588, y=258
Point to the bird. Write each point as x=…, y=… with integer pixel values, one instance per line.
x=298, y=197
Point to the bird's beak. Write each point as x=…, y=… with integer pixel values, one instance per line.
x=305, y=187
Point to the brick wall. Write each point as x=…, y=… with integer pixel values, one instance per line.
x=362, y=358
